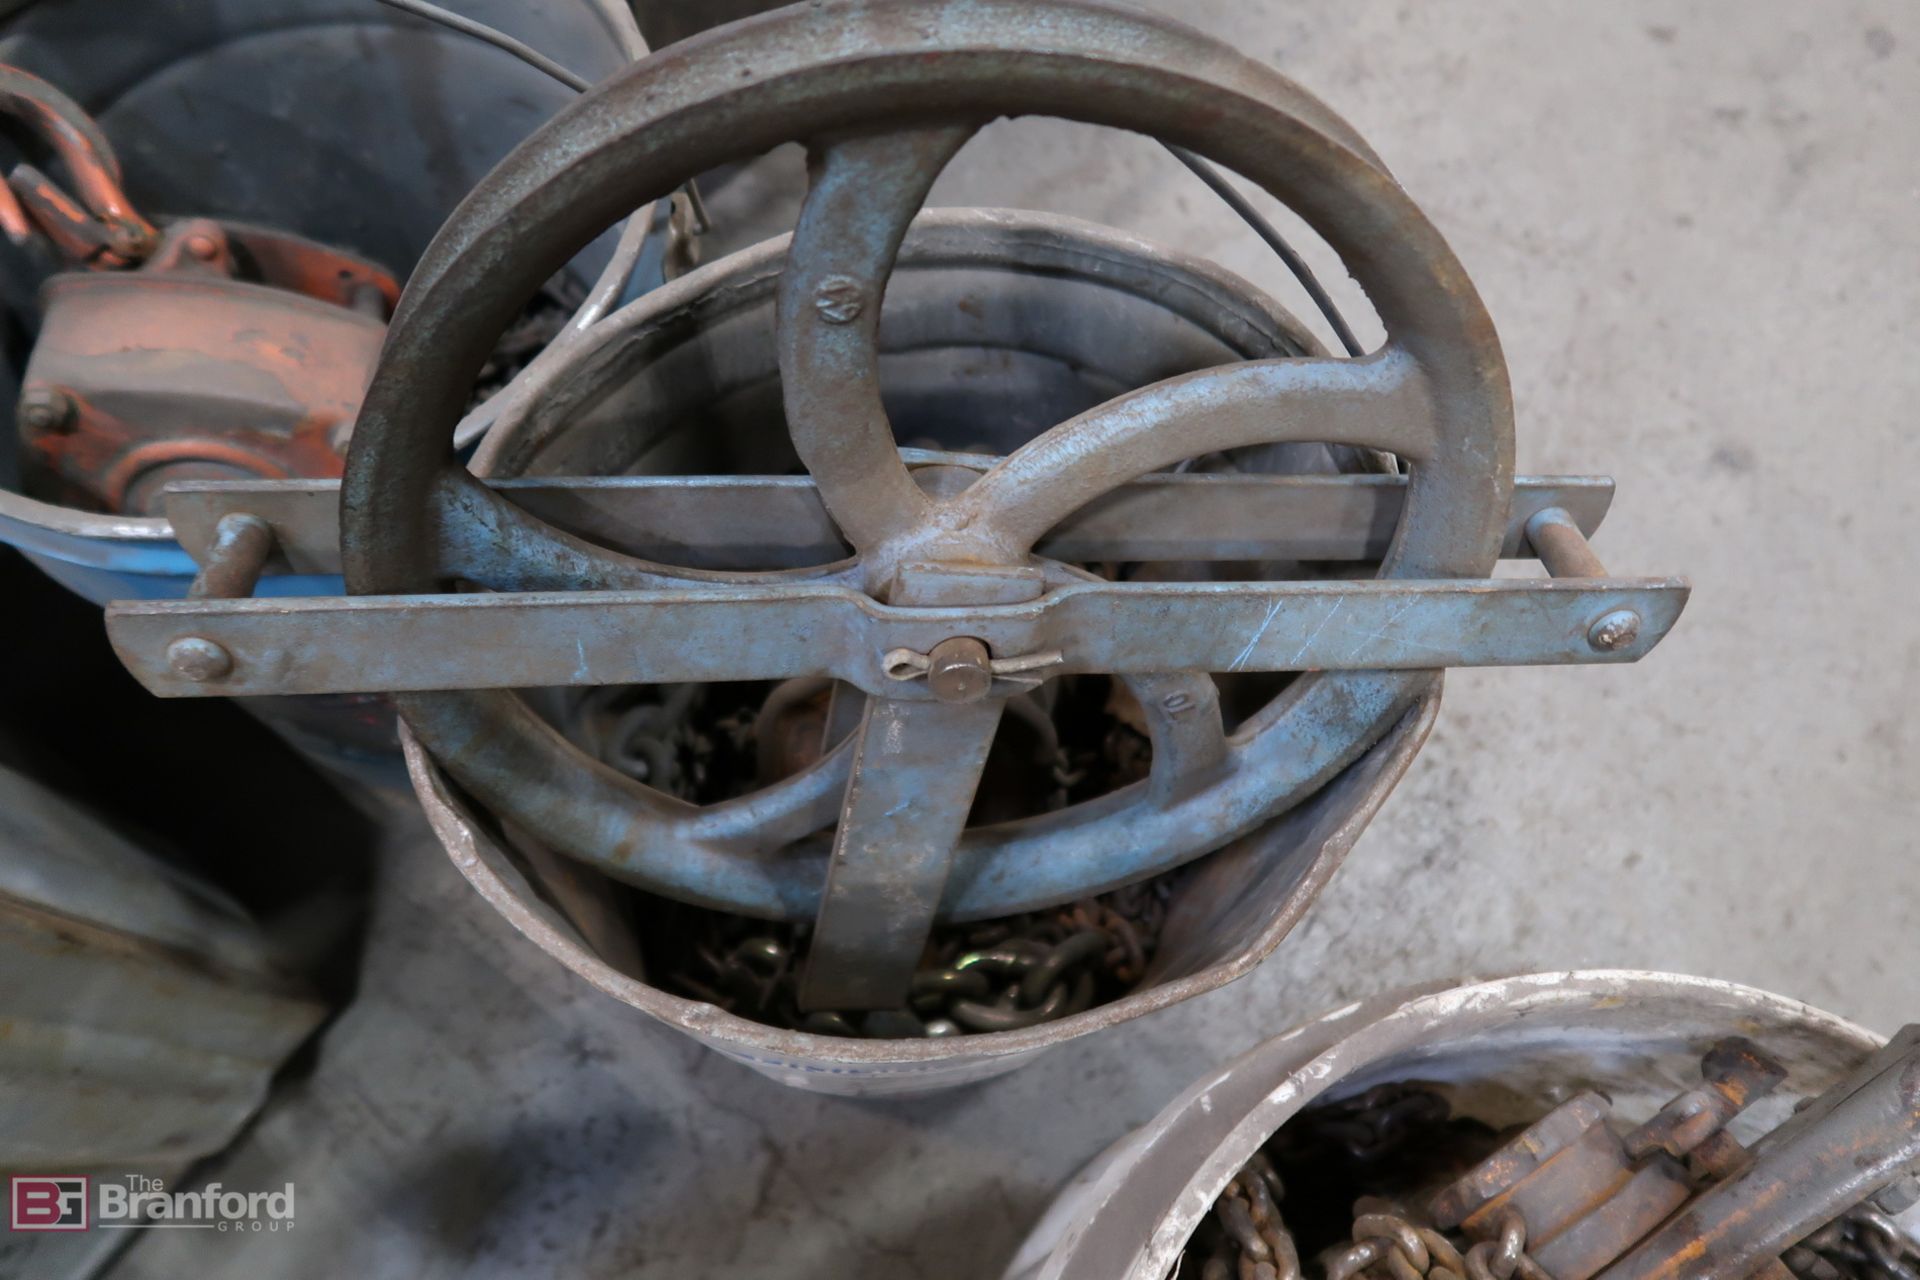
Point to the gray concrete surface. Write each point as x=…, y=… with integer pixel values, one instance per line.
x=1699, y=229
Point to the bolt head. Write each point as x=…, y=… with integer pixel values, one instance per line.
x=959, y=670
x=1615, y=631
x=198, y=659
x=838, y=300
x=45, y=409
x=203, y=247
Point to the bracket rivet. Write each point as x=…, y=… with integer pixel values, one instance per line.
x=959, y=670
x=45, y=409
x=1615, y=630
x=838, y=300
x=198, y=659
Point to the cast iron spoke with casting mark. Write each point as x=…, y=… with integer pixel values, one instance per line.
x=864, y=191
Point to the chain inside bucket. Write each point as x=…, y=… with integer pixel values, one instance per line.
x=1401, y=1181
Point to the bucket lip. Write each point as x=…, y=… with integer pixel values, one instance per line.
x=985, y=239
x=1113, y=1222
x=72, y=522
x=454, y=825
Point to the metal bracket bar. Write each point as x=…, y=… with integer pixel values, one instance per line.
x=777, y=522
x=916, y=767
x=372, y=644
x=1865, y=1133
x=1556, y=538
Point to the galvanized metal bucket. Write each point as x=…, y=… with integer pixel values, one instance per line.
x=1514, y=1048
x=993, y=317
x=1222, y=922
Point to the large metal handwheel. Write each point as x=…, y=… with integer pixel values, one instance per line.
x=944, y=611
x=1435, y=395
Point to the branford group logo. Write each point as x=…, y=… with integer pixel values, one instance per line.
x=61, y=1203
x=47, y=1204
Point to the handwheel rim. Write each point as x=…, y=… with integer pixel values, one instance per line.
x=725, y=96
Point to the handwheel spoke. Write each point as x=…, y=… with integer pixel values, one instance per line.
x=764, y=821
x=1182, y=714
x=487, y=540
x=864, y=192
x=1382, y=401
x=915, y=769
x=1182, y=711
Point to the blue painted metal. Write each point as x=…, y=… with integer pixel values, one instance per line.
x=778, y=522
x=128, y=559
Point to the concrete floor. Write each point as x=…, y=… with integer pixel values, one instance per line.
x=1699, y=230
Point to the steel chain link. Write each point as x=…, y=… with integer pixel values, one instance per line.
x=998, y=976
x=1863, y=1244
x=1387, y=1241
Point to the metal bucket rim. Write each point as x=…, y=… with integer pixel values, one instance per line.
x=1314, y=1060
x=455, y=827
x=950, y=237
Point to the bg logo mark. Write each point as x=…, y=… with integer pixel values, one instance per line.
x=48, y=1204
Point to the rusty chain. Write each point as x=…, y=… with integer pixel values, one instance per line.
x=1863, y=1244
x=96, y=225
x=1244, y=1237
x=1388, y=1242
x=1248, y=1214
x=999, y=975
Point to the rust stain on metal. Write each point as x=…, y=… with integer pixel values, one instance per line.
x=181, y=370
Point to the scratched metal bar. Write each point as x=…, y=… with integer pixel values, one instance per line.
x=1866, y=1133
x=392, y=643
x=778, y=522
x=916, y=767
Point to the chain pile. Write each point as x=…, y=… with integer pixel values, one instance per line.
x=1402, y=1138
x=542, y=320
x=1863, y=1244
x=1248, y=1216
x=704, y=745
x=997, y=976
x=1245, y=1238
x=1387, y=1242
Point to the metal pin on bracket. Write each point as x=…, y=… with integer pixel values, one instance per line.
x=1565, y=553
x=238, y=555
